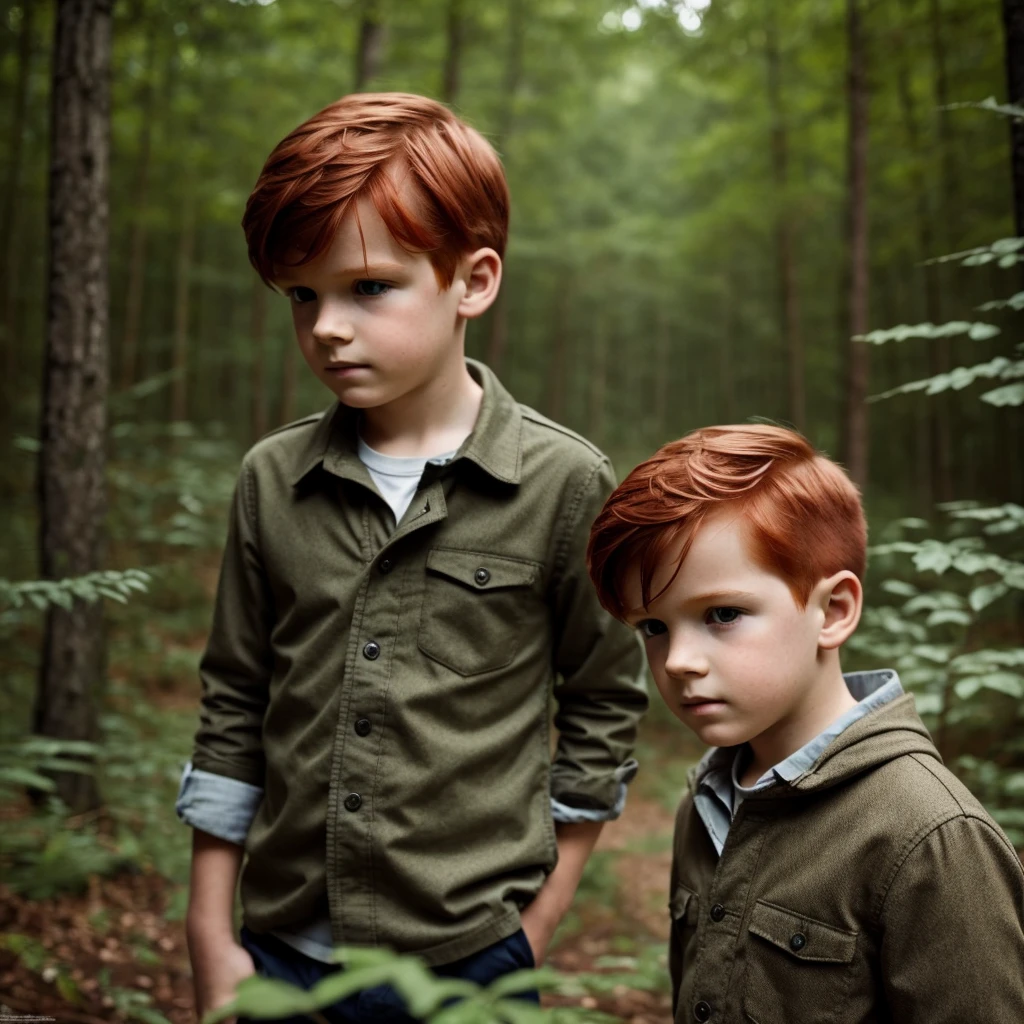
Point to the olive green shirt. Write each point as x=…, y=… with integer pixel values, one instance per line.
x=389, y=687
x=869, y=888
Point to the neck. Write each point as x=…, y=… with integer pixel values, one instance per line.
x=826, y=698
x=435, y=418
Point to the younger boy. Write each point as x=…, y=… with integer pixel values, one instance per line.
x=826, y=866
x=404, y=578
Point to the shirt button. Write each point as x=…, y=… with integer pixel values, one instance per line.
x=717, y=912
x=353, y=802
x=797, y=941
x=371, y=651
x=363, y=727
x=702, y=1011
x=385, y=565
x=482, y=576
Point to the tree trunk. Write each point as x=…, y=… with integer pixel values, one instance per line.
x=182, y=297
x=498, y=334
x=9, y=234
x=129, y=361
x=1013, y=20
x=855, y=420
x=730, y=330
x=936, y=439
x=662, y=363
x=370, y=49
x=558, y=367
x=72, y=458
x=454, y=32
x=258, y=342
x=789, y=297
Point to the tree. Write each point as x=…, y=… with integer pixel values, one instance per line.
x=455, y=29
x=370, y=48
x=855, y=433
x=72, y=458
x=789, y=297
x=1013, y=21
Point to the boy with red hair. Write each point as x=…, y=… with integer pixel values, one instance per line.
x=403, y=587
x=826, y=866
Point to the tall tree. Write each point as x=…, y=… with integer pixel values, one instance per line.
x=182, y=306
x=515, y=34
x=370, y=45
x=9, y=235
x=855, y=419
x=72, y=458
x=1013, y=21
x=455, y=28
x=258, y=355
x=129, y=353
x=789, y=296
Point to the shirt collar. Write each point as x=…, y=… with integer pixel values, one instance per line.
x=719, y=766
x=495, y=443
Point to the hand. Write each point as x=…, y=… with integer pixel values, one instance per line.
x=539, y=928
x=217, y=968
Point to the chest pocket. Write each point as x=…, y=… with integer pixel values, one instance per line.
x=799, y=970
x=475, y=609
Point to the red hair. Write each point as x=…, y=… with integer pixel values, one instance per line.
x=369, y=145
x=805, y=516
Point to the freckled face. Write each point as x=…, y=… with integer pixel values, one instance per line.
x=733, y=655
x=378, y=330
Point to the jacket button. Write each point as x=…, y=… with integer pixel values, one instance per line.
x=385, y=565
x=371, y=651
x=353, y=802
x=702, y=1011
x=363, y=727
x=717, y=912
x=482, y=576
x=797, y=941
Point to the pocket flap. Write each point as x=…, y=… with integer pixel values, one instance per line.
x=802, y=937
x=680, y=901
x=481, y=571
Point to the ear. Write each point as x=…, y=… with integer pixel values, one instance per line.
x=841, y=599
x=480, y=272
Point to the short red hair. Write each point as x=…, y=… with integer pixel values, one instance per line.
x=349, y=151
x=804, y=513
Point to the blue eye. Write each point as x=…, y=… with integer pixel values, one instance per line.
x=302, y=295
x=723, y=616
x=651, y=627
x=371, y=289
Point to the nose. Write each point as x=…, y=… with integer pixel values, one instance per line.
x=686, y=657
x=333, y=325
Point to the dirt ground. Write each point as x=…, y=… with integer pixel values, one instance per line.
x=110, y=955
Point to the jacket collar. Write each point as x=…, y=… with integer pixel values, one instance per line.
x=495, y=444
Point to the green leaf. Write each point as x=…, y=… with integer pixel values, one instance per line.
x=975, y=331
x=1009, y=683
x=990, y=104
x=1008, y=394
x=899, y=587
x=1015, y=302
x=942, y=616
x=981, y=597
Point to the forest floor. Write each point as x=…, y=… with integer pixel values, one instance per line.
x=116, y=952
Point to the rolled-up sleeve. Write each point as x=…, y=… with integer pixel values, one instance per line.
x=601, y=695
x=218, y=805
x=236, y=668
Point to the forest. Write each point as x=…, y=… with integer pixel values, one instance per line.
x=723, y=211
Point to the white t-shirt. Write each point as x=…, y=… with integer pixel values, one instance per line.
x=397, y=476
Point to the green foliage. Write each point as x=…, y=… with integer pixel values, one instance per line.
x=646, y=970
x=1005, y=253
x=427, y=997
x=961, y=377
x=92, y=587
x=1006, y=109
x=974, y=331
x=23, y=763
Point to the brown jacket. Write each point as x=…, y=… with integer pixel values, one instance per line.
x=874, y=887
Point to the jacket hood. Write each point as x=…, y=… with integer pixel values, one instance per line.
x=888, y=732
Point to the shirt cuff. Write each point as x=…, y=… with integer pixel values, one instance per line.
x=568, y=814
x=218, y=805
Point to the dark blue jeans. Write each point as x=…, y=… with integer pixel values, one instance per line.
x=382, y=1005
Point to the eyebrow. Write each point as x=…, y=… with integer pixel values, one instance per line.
x=710, y=597
x=365, y=271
